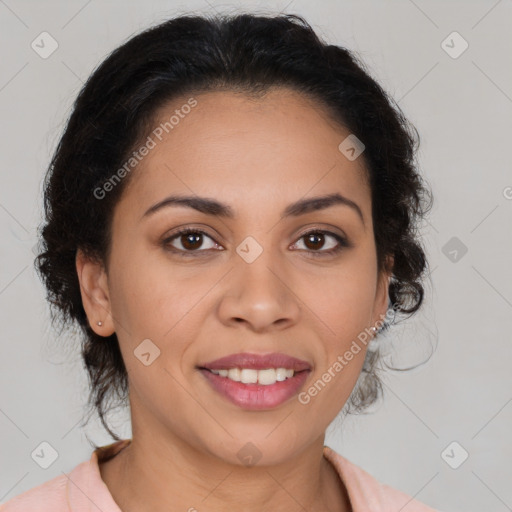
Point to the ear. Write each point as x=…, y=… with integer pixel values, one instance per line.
x=382, y=295
x=95, y=294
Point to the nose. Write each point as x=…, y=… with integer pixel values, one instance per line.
x=260, y=295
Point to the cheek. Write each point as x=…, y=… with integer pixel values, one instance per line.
x=147, y=292
x=158, y=303
x=148, y=305
x=340, y=362
x=342, y=302
x=341, y=299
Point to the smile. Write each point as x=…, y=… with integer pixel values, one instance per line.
x=264, y=377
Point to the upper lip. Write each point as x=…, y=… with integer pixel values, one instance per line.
x=257, y=362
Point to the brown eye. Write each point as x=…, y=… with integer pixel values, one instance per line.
x=316, y=241
x=188, y=240
x=191, y=241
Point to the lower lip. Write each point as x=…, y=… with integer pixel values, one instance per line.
x=256, y=397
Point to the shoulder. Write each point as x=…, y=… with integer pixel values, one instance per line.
x=367, y=493
x=49, y=496
x=76, y=490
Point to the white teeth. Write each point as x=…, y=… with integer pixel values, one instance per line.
x=267, y=377
x=282, y=373
x=250, y=376
x=234, y=374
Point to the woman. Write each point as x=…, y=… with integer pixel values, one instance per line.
x=230, y=218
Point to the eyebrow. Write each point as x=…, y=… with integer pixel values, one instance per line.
x=213, y=207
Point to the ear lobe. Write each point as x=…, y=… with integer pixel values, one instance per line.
x=95, y=293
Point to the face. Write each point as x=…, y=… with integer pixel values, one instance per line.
x=304, y=284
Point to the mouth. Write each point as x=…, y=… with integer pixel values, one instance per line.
x=265, y=377
x=256, y=382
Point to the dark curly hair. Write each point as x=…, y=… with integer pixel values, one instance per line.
x=189, y=54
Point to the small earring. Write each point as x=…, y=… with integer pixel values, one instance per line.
x=100, y=323
x=374, y=330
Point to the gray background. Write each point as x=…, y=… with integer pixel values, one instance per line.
x=462, y=108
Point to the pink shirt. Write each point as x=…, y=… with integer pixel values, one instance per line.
x=83, y=490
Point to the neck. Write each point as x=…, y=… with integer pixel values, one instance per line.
x=149, y=475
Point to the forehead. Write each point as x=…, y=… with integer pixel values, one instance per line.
x=255, y=150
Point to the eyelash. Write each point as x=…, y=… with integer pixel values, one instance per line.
x=343, y=242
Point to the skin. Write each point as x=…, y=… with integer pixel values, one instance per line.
x=258, y=156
